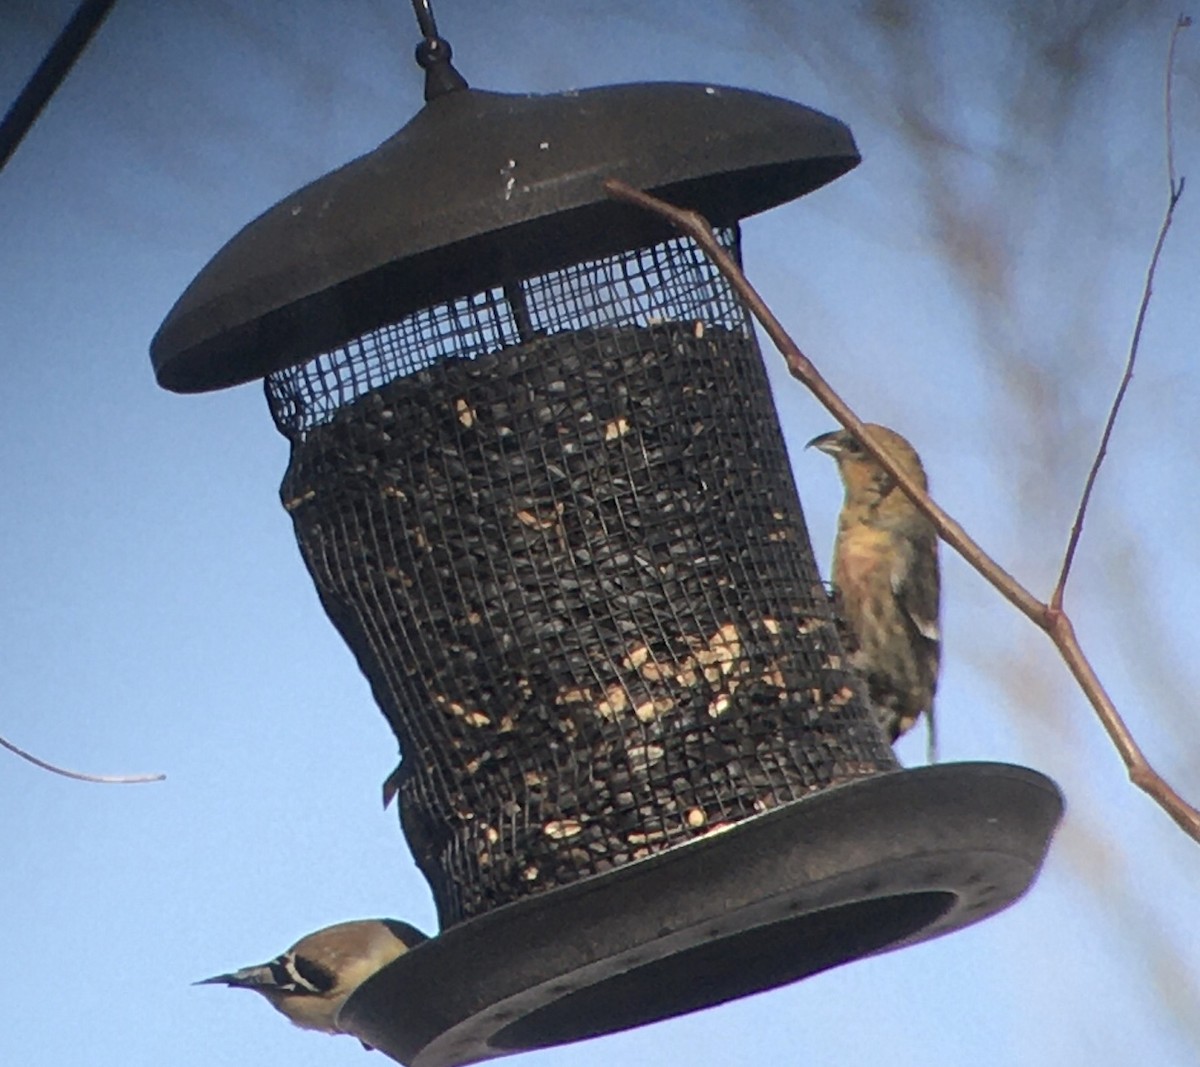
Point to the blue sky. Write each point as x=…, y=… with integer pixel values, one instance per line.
x=155, y=614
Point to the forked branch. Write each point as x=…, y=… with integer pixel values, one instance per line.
x=1174, y=192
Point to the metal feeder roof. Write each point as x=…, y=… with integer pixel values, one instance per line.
x=852, y=871
x=479, y=188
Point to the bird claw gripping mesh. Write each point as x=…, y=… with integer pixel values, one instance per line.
x=557, y=526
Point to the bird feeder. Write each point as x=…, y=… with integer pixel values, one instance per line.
x=539, y=482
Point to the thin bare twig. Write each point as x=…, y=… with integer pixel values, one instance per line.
x=103, y=779
x=1174, y=192
x=1181, y=23
x=1054, y=622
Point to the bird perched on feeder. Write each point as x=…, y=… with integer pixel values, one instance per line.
x=885, y=574
x=311, y=981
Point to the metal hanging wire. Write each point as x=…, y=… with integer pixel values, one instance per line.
x=433, y=55
x=51, y=72
x=425, y=19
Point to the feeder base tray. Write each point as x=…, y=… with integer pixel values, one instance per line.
x=852, y=871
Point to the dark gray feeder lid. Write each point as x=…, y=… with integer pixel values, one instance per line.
x=855, y=870
x=477, y=189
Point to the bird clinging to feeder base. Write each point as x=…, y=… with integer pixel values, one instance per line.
x=885, y=575
x=311, y=981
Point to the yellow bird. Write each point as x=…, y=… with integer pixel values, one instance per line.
x=885, y=575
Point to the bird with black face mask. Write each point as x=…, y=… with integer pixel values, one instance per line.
x=311, y=981
x=885, y=576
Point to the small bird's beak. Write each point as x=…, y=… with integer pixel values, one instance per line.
x=220, y=979
x=246, y=978
x=829, y=443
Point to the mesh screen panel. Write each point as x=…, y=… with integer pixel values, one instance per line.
x=556, y=524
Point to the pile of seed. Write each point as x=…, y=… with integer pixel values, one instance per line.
x=577, y=576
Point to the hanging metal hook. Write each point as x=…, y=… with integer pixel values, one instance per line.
x=425, y=19
x=433, y=55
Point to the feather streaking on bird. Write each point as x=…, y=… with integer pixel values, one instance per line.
x=885, y=575
x=311, y=981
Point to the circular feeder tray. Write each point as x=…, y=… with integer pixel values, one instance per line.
x=855, y=870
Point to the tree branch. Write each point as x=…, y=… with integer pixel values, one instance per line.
x=103, y=779
x=1053, y=621
x=1174, y=192
x=1181, y=23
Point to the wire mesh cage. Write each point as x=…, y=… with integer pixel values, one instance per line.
x=556, y=524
